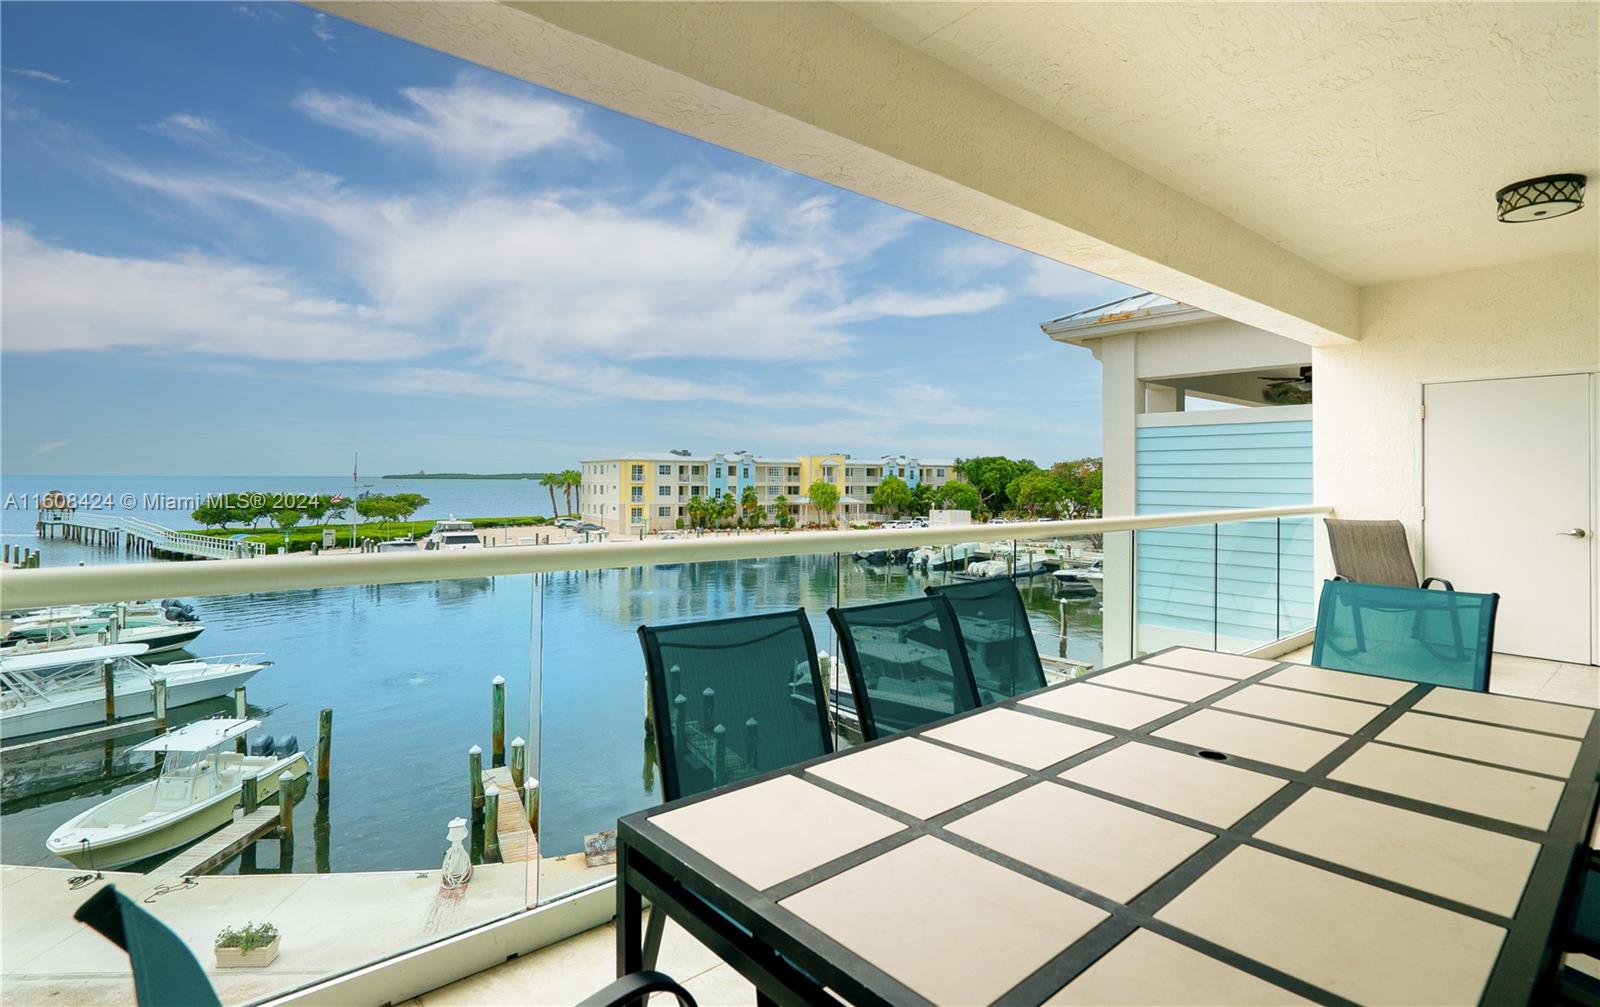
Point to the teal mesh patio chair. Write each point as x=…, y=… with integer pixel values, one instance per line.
x=1436, y=637
x=733, y=698
x=166, y=974
x=906, y=661
x=999, y=641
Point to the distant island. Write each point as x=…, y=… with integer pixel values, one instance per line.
x=467, y=475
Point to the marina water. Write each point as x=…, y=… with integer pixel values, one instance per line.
x=407, y=670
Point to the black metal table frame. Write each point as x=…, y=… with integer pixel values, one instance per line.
x=786, y=965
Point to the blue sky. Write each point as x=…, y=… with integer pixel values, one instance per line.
x=256, y=238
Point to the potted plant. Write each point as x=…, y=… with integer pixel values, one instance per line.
x=251, y=946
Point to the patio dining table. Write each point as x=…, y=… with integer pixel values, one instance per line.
x=1190, y=827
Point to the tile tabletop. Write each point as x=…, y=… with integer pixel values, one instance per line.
x=926, y=912
x=1188, y=828
x=1018, y=738
x=1112, y=707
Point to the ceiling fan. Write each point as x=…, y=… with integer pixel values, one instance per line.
x=1281, y=391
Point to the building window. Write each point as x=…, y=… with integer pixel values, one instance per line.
x=636, y=515
x=638, y=494
x=793, y=491
x=663, y=491
x=663, y=512
x=637, y=473
x=938, y=473
x=719, y=472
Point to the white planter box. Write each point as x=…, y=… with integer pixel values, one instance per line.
x=233, y=958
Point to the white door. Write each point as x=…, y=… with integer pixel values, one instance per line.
x=1508, y=487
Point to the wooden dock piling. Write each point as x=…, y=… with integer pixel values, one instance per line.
x=475, y=770
x=285, y=808
x=250, y=794
x=497, y=737
x=491, y=822
x=324, y=750
x=108, y=674
x=519, y=761
x=530, y=803
x=158, y=699
x=240, y=711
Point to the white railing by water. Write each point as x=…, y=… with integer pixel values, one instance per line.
x=128, y=582
x=165, y=539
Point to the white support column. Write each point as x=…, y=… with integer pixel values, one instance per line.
x=1121, y=399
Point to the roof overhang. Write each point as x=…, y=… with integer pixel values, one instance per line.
x=1078, y=330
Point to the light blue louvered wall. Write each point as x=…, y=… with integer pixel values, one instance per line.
x=1237, y=583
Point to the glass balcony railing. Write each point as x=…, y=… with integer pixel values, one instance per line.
x=423, y=659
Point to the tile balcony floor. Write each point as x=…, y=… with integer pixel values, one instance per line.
x=566, y=972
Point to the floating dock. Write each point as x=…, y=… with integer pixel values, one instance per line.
x=518, y=843
x=221, y=846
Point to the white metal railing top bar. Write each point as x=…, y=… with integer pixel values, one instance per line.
x=21, y=589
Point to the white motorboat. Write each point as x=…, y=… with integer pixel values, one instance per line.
x=195, y=795
x=1080, y=580
x=170, y=626
x=452, y=533
x=942, y=557
x=60, y=690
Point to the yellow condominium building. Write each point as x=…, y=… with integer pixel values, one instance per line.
x=649, y=491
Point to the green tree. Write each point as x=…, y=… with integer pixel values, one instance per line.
x=991, y=474
x=824, y=497
x=726, y=507
x=698, y=511
x=550, y=480
x=211, y=514
x=780, y=512
x=750, y=505
x=403, y=505
x=285, y=519
x=338, y=507
x=957, y=495
x=571, y=480
x=921, y=499
x=316, y=509
x=1039, y=493
x=1082, y=477
x=892, y=496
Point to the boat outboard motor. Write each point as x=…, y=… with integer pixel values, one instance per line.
x=262, y=745
x=286, y=747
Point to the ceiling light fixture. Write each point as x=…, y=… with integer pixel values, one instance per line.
x=1540, y=198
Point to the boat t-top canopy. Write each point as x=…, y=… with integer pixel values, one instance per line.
x=200, y=736
x=47, y=660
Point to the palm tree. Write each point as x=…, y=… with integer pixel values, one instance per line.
x=570, y=479
x=550, y=480
x=751, y=505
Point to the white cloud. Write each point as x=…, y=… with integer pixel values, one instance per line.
x=51, y=447
x=1072, y=288
x=531, y=294
x=61, y=299
x=321, y=29
x=182, y=124
x=465, y=126
x=37, y=75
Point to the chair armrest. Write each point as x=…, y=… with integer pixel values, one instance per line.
x=634, y=988
x=1438, y=580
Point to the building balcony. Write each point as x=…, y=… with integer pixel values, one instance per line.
x=1244, y=586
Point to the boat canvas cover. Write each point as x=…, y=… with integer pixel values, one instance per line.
x=67, y=658
x=200, y=736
